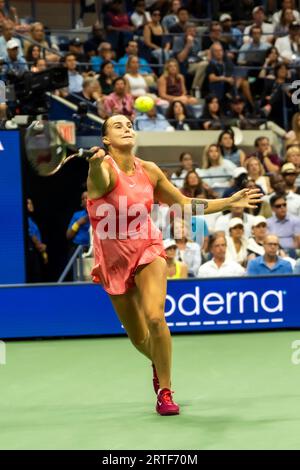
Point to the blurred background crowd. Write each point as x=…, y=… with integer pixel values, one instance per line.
x=223, y=66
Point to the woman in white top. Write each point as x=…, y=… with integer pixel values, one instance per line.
x=236, y=242
x=186, y=165
x=256, y=173
x=187, y=251
x=137, y=85
x=216, y=171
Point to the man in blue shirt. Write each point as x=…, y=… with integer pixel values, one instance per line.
x=133, y=49
x=78, y=229
x=13, y=62
x=152, y=121
x=270, y=263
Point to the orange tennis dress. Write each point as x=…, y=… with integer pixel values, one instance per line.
x=124, y=234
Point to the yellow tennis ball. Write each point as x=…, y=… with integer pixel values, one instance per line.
x=144, y=104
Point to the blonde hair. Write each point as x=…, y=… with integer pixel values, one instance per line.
x=251, y=159
x=205, y=156
x=129, y=60
x=290, y=150
x=167, y=63
x=295, y=125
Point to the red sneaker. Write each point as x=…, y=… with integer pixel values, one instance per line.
x=155, y=380
x=165, y=405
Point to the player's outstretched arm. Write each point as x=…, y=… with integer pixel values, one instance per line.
x=166, y=192
x=98, y=181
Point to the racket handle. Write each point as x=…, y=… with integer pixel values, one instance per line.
x=84, y=153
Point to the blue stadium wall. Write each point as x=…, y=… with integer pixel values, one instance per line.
x=49, y=310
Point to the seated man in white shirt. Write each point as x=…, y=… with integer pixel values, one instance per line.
x=288, y=46
x=259, y=16
x=219, y=266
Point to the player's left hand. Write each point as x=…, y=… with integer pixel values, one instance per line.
x=246, y=198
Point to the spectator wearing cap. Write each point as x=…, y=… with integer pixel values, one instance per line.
x=175, y=269
x=237, y=242
x=279, y=186
x=292, y=155
x=267, y=29
x=240, y=178
x=284, y=225
x=288, y=46
x=289, y=173
x=91, y=45
x=286, y=4
x=222, y=222
x=253, y=52
x=256, y=173
x=269, y=263
x=229, y=150
x=75, y=78
x=255, y=243
x=119, y=101
x=14, y=64
x=238, y=115
x=132, y=48
x=76, y=47
x=8, y=29
x=220, y=265
x=263, y=150
x=105, y=52
x=231, y=36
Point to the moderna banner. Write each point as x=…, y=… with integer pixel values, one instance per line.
x=234, y=304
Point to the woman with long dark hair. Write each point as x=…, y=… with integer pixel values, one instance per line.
x=180, y=117
x=228, y=148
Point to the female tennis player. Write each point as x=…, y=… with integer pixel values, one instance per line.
x=130, y=267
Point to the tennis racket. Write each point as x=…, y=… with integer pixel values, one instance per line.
x=47, y=149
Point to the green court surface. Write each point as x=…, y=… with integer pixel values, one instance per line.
x=236, y=391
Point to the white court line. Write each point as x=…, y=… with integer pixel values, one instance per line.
x=277, y=320
x=181, y=323
x=222, y=322
x=263, y=320
x=209, y=323
x=195, y=323
x=236, y=322
x=249, y=321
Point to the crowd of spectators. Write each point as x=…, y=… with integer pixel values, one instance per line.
x=206, y=68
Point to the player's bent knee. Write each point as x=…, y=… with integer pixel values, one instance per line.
x=139, y=342
x=156, y=324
